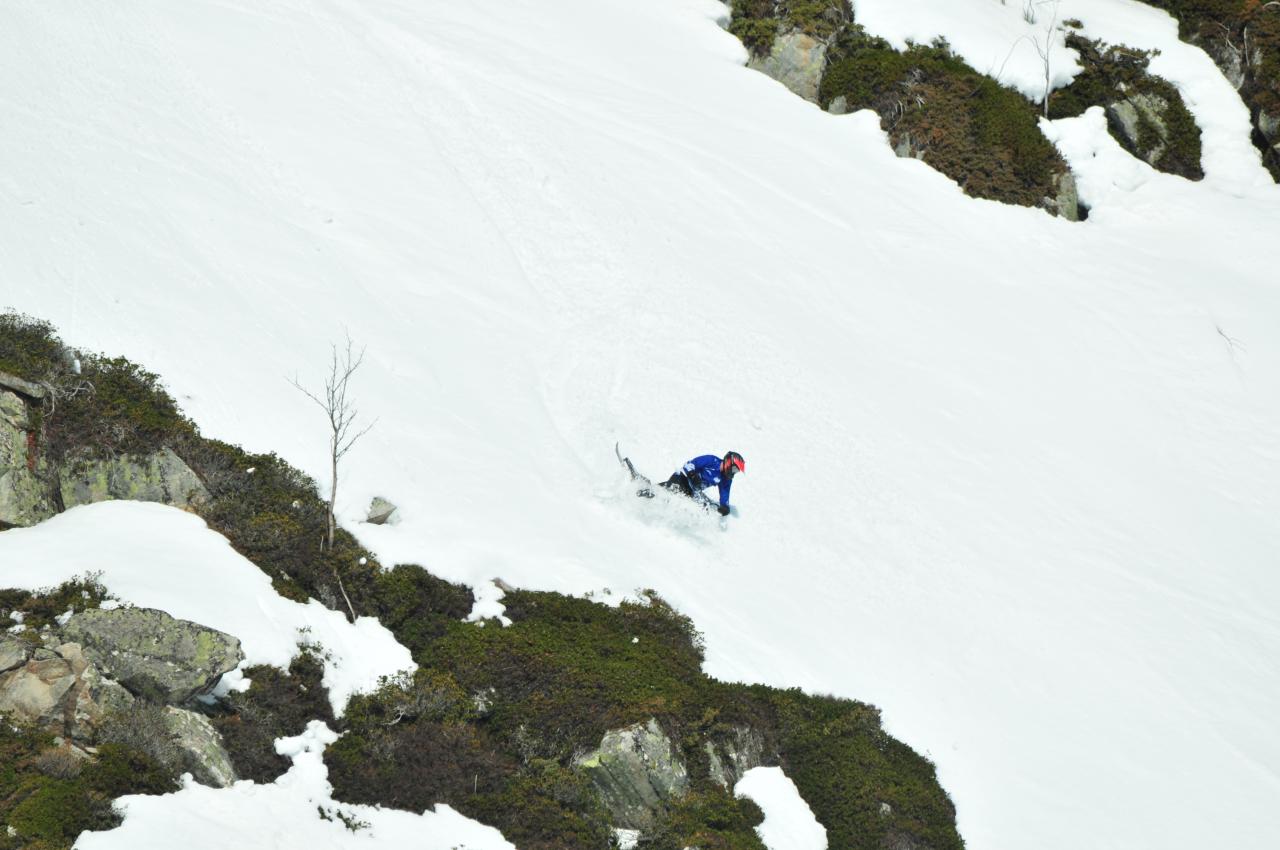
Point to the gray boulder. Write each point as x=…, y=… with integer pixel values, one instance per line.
x=1066, y=201
x=21, y=385
x=13, y=653
x=637, y=773
x=92, y=699
x=796, y=60
x=203, y=755
x=24, y=499
x=380, y=510
x=158, y=477
x=1128, y=117
x=732, y=756
x=153, y=654
x=58, y=690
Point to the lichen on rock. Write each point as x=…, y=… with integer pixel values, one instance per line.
x=153, y=654
x=161, y=477
x=637, y=773
x=24, y=498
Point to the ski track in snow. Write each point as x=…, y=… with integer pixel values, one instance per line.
x=1005, y=479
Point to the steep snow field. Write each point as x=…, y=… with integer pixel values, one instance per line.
x=1012, y=479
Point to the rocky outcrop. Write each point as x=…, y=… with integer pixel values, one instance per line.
x=12, y=654
x=35, y=690
x=1268, y=125
x=203, y=755
x=93, y=698
x=154, y=655
x=796, y=60
x=158, y=477
x=62, y=691
x=24, y=498
x=1138, y=122
x=637, y=773
x=1066, y=202
x=21, y=385
x=1243, y=39
x=733, y=755
x=57, y=689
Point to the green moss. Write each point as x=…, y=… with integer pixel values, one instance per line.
x=1113, y=73
x=29, y=348
x=568, y=669
x=545, y=806
x=277, y=705
x=417, y=606
x=1224, y=26
x=547, y=688
x=847, y=768
x=982, y=135
x=710, y=820
x=120, y=408
x=1192, y=14
x=109, y=407
x=40, y=608
x=46, y=809
x=757, y=33
x=758, y=22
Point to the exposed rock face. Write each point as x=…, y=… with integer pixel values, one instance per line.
x=637, y=773
x=20, y=385
x=152, y=654
x=159, y=477
x=92, y=699
x=203, y=754
x=731, y=758
x=796, y=60
x=1066, y=202
x=24, y=499
x=36, y=687
x=57, y=689
x=12, y=654
x=1128, y=117
x=1229, y=60
x=1269, y=128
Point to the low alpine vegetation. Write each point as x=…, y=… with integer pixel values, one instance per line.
x=496, y=717
x=278, y=704
x=1146, y=113
x=934, y=106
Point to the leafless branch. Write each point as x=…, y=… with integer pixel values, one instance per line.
x=342, y=414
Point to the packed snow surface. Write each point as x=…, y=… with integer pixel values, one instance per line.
x=154, y=556
x=789, y=823
x=1012, y=479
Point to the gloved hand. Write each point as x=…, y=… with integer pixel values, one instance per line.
x=724, y=510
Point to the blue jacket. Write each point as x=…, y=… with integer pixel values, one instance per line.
x=703, y=471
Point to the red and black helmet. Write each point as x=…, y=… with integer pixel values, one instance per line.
x=733, y=464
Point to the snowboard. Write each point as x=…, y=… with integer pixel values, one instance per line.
x=646, y=485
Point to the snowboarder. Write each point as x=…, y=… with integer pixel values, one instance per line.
x=702, y=472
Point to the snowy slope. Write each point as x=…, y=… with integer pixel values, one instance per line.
x=1010, y=478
